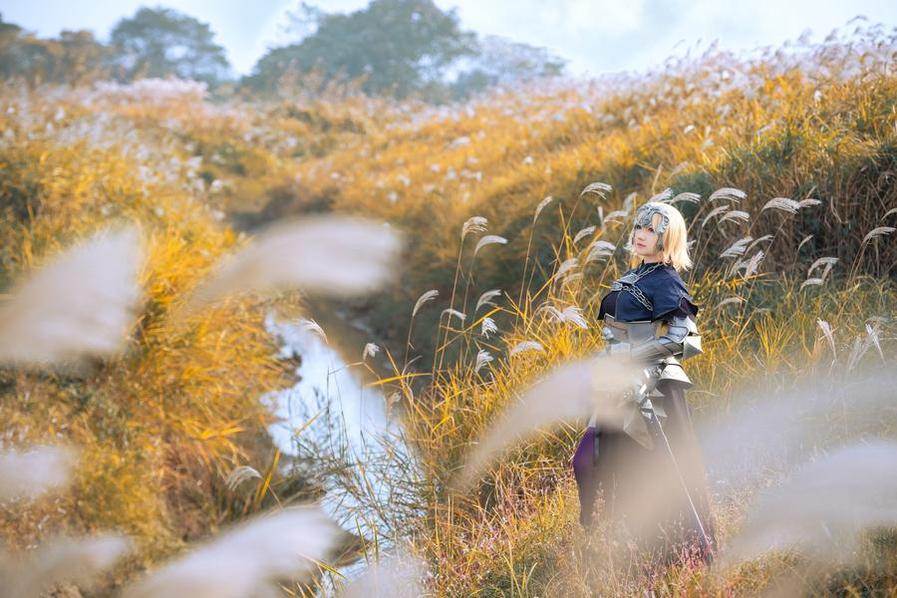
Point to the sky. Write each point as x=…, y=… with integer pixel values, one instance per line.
x=594, y=36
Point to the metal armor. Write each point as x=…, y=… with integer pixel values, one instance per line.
x=656, y=343
x=659, y=345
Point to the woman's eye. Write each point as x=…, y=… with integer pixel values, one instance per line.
x=638, y=227
x=650, y=229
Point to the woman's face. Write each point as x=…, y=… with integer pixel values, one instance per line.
x=644, y=242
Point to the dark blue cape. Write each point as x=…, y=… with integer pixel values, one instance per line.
x=664, y=289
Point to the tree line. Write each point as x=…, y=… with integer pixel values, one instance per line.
x=398, y=48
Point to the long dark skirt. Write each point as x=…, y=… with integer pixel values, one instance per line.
x=643, y=490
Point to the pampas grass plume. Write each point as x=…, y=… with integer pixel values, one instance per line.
x=29, y=474
x=80, y=304
x=395, y=577
x=333, y=255
x=571, y=391
x=253, y=555
x=65, y=561
x=823, y=507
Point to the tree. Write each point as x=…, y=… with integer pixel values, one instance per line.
x=83, y=58
x=500, y=61
x=74, y=58
x=161, y=42
x=397, y=47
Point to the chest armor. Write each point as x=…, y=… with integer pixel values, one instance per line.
x=634, y=294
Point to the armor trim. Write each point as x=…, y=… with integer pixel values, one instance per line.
x=656, y=343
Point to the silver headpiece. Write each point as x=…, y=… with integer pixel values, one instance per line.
x=645, y=216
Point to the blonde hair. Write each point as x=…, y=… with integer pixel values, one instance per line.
x=674, y=239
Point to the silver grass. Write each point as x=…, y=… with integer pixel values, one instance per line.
x=313, y=327
x=753, y=264
x=334, y=255
x=524, y=346
x=489, y=240
x=878, y=231
x=663, y=196
x=809, y=202
x=803, y=241
x=582, y=234
x=889, y=212
x=424, y=298
x=628, y=202
x=488, y=327
x=757, y=241
x=811, y=282
x=823, y=507
x=64, y=561
x=737, y=248
x=554, y=314
x=250, y=556
x=396, y=577
x=828, y=262
x=483, y=357
x=602, y=244
x=597, y=188
x=486, y=298
x=570, y=392
x=33, y=472
x=565, y=267
x=738, y=265
x=474, y=225
x=730, y=301
x=454, y=313
x=771, y=431
x=735, y=215
x=615, y=216
x=573, y=315
x=729, y=193
x=714, y=212
x=370, y=350
x=872, y=333
x=542, y=205
x=784, y=204
x=239, y=475
x=82, y=303
x=679, y=168
x=600, y=249
x=686, y=196
x=861, y=346
x=829, y=335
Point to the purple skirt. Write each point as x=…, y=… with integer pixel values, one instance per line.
x=643, y=487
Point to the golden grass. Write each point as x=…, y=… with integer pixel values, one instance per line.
x=160, y=427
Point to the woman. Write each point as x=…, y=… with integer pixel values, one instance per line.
x=648, y=470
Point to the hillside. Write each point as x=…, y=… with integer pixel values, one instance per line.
x=783, y=165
